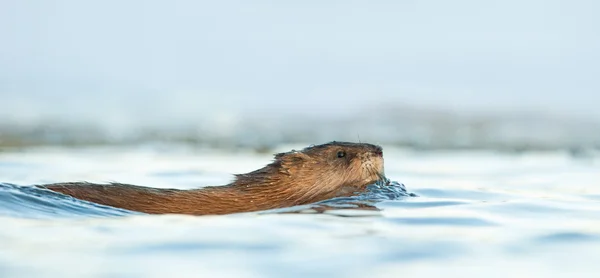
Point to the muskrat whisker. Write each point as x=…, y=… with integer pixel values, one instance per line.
x=382, y=177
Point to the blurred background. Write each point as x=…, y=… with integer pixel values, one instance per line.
x=509, y=75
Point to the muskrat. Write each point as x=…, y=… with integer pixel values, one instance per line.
x=316, y=173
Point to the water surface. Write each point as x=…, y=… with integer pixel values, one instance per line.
x=532, y=214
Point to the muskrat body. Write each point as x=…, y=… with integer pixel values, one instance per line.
x=313, y=174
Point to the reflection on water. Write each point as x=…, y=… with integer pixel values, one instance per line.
x=474, y=213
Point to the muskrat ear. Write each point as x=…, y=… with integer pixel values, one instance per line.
x=287, y=160
x=299, y=157
x=292, y=157
x=278, y=156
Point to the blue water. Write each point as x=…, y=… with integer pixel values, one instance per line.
x=32, y=202
x=532, y=214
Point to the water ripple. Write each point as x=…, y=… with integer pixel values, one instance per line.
x=33, y=202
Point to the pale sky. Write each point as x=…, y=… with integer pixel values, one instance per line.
x=189, y=58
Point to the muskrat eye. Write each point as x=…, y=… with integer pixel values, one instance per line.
x=341, y=154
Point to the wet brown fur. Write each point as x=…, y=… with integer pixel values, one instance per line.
x=301, y=177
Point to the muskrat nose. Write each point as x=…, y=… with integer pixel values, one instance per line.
x=378, y=151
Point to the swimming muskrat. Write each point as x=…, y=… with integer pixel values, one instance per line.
x=313, y=174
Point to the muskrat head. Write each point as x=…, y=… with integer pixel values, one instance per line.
x=331, y=170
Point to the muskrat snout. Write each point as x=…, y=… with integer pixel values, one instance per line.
x=373, y=163
x=373, y=150
x=378, y=151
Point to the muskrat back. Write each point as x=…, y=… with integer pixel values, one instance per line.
x=316, y=173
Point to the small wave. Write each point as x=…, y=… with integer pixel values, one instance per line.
x=35, y=202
